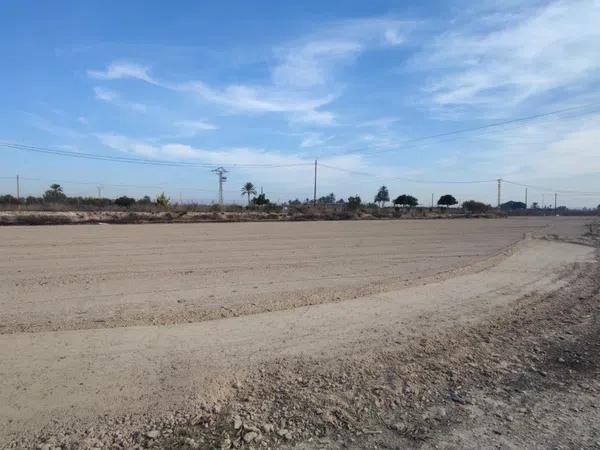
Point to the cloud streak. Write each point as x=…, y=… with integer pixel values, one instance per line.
x=108, y=96
x=122, y=69
x=512, y=58
x=302, y=81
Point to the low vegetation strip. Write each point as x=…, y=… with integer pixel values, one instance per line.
x=183, y=216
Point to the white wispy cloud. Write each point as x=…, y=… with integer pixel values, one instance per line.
x=312, y=60
x=314, y=140
x=302, y=84
x=122, y=69
x=254, y=98
x=508, y=58
x=555, y=147
x=115, y=98
x=295, y=170
x=195, y=126
x=302, y=106
x=105, y=94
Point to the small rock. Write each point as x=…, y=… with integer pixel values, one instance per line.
x=561, y=360
x=191, y=442
x=457, y=398
x=237, y=423
x=226, y=444
x=153, y=434
x=268, y=428
x=398, y=427
x=249, y=437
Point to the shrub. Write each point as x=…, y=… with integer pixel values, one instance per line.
x=125, y=202
x=9, y=199
x=163, y=200
x=475, y=207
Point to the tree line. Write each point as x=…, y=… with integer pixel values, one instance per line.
x=56, y=194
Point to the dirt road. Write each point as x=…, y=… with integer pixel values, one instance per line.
x=64, y=369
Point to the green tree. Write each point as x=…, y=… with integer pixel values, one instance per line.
x=248, y=189
x=382, y=196
x=327, y=199
x=406, y=201
x=163, y=200
x=55, y=194
x=447, y=200
x=9, y=199
x=261, y=200
x=354, y=202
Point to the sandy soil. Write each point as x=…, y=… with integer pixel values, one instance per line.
x=192, y=384
x=77, y=277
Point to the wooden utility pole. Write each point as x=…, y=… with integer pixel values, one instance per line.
x=18, y=189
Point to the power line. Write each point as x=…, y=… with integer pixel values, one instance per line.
x=411, y=180
x=141, y=161
x=165, y=186
x=547, y=189
x=95, y=183
x=416, y=142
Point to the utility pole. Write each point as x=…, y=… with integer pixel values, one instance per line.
x=100, y=191
x=432, y=200
x=18, y=189
x=499, y=191
x=525, y=198
x=220, y=171
x=315, y=186
x=555, y=198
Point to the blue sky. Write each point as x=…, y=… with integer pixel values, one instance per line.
x=356, y=85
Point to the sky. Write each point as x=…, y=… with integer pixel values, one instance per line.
x=424, y=97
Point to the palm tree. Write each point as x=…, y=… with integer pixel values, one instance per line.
x=248, y=189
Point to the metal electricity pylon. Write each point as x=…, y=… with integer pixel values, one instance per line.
x=221, y=171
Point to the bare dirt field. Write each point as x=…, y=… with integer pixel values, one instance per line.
x=390, y=334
